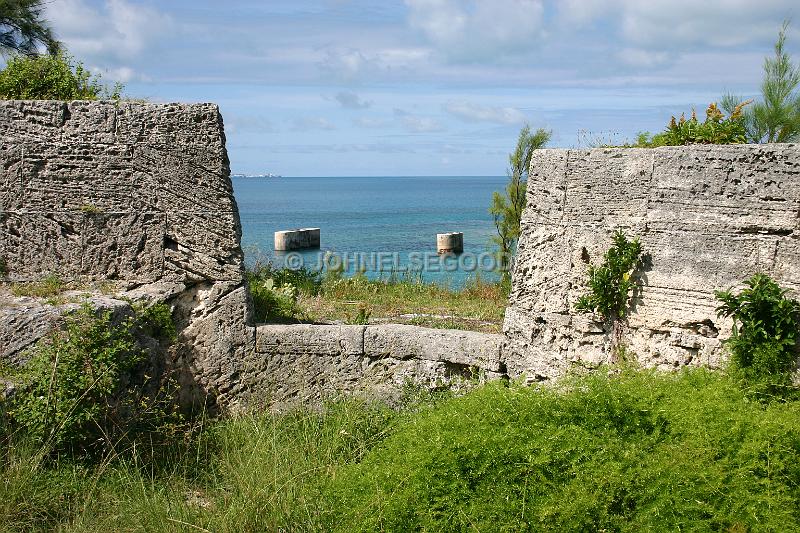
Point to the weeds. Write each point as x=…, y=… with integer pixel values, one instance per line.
x=47, y=287
x=79, y=391
x=715, y=129
x=283, y=295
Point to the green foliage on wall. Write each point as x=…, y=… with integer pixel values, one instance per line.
x=715, y=129
x=79, y=389
x=611, y=283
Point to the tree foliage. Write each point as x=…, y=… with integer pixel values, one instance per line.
x=22, y=29
x=507, y=206
x=53, y=77
x=776, y=117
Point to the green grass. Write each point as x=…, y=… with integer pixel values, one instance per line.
x=48, y=286
x=314, y=297
x=618, y=451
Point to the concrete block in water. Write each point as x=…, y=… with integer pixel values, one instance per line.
x=452, y=242
x=296, y=239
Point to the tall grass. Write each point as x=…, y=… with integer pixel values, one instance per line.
x=629, y=451
x=285, y=295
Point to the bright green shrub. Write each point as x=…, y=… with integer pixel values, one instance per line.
x=80, y=390
x=715, y=129
x=272, y=303
x=51, y=77
x=635, y=452
x=611, y=283
x=764, y=340
x=274, y=292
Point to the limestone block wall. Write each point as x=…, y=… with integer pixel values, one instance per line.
x=138, y=194
x=708, y=217
x=307, y=362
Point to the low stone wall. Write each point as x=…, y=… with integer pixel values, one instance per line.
x=708, y=218
x=309, y=362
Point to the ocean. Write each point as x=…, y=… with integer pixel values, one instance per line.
x=375, y=224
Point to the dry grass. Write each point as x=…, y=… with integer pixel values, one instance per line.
x=479, y=306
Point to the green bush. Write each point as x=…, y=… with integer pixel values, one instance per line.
x=272, y=303
x=635, y=452
x=80, y=389
x=628, y=451
x=611, y=283
x=715, y=129
x=51, y=77
x=764, y=339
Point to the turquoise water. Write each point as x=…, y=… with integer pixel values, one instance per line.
x=381, y=223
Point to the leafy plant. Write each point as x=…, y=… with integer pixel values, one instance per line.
x=361, y=317
x=156, y=321
x=715, y=129
x=506, y=208
x=776, y=117
x=68, y=383
x=80, y=389
x=273, y=302
x=52, y=77
x=764, y=339
x=611, y=283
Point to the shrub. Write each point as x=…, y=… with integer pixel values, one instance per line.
x=764, y=339
x=611, y=283
x=361, y=317
x=715, y=129
x=635, y=452
x=272, y=302
x=52, y=77
x=80, y=389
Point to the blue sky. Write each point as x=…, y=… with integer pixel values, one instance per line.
x=424, y=87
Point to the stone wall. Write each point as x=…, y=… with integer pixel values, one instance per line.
x=136, y=200
x=134, y=194
x=309, y=362
x=708, y=217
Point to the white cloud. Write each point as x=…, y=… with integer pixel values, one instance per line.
x=421, y=124
x=682, y=24
x=417, y=124
x=478, y=113
x=118, y=29
x=312, y=123
x=108, y=37
x=476, y=30
x=350, y=100
x=637, y=57
x=371, y=123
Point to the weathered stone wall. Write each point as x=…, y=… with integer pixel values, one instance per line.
x=140, y=195
x=134, y=193
x=308, y=362
x=708, y=216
